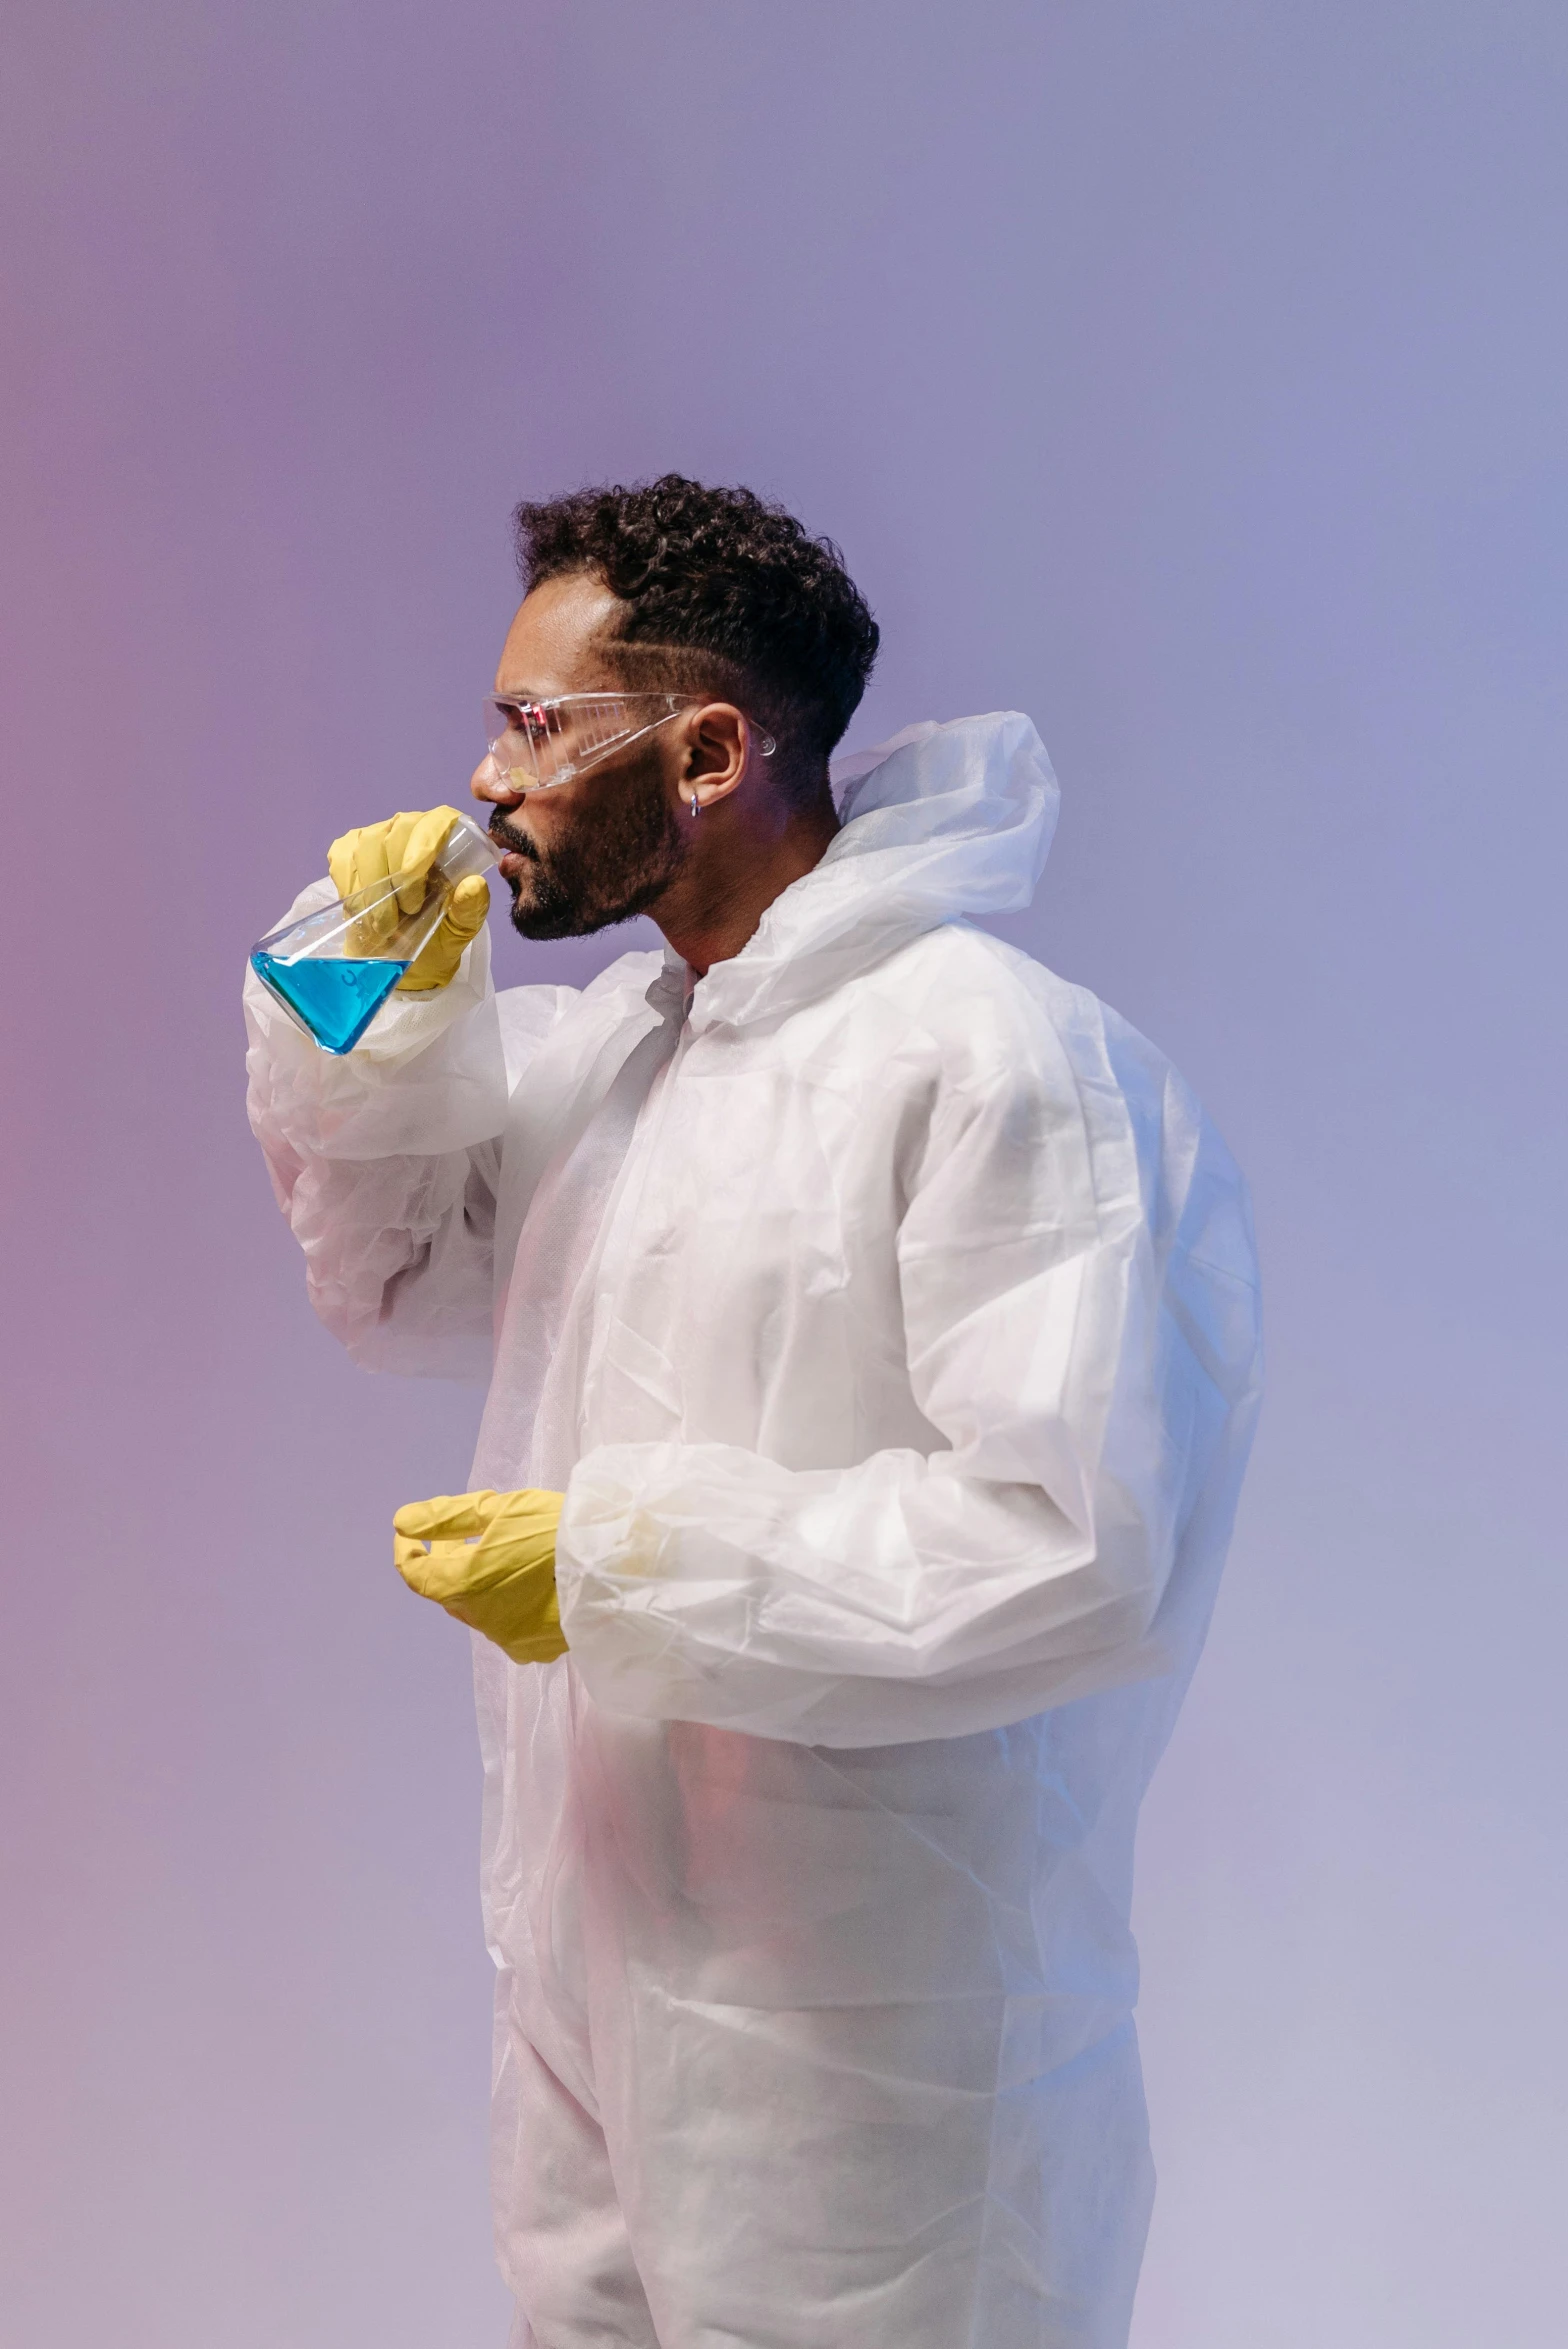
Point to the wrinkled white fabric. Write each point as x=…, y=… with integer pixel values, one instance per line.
x=886, y=1308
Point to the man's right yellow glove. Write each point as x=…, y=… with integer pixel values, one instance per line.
x=489, y=1559
x=410, y=844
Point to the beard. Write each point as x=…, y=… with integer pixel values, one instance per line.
x=613, y=861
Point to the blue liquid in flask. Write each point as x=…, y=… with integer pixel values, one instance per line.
x=336, y=996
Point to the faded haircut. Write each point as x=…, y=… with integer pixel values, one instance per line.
x=722, y=593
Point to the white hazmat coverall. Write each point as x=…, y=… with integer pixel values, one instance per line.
x=886, y=1309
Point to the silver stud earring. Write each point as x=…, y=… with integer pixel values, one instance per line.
x=695, y=809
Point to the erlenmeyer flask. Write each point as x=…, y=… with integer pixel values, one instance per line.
x=333, y=970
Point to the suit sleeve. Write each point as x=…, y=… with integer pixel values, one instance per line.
x=386, y=1161
x=1083, y=1344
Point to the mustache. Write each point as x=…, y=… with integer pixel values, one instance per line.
x=515, y=843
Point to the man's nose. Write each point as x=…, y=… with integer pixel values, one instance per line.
x=485, y=783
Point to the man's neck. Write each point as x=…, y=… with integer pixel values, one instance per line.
x=734, y=873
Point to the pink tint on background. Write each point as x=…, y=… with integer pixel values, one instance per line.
x=1192, y=376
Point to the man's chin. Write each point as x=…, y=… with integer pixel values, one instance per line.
x=544, y=919
x=541, y=926
x=549, y=914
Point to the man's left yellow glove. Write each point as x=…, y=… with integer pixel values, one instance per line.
x=410, y=844
x=489, y=1559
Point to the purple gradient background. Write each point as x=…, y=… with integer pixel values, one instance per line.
x=1191, y=375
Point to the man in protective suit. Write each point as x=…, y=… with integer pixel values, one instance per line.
x=870, y=1321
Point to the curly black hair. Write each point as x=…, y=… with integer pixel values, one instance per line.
x=724, y=593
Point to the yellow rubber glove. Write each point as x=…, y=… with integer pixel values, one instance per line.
x=489, y=1559
x=410, y=844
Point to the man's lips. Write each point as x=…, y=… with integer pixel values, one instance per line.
x=517, y=850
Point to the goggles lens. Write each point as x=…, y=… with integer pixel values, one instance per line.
x=534, y=744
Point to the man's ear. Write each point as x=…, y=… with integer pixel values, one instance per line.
x=718, y=742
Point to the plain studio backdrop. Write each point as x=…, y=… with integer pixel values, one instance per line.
x=1190, y=374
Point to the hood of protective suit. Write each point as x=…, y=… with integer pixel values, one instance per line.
x=941, y=823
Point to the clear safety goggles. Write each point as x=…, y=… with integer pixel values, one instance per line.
x=537, y=744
